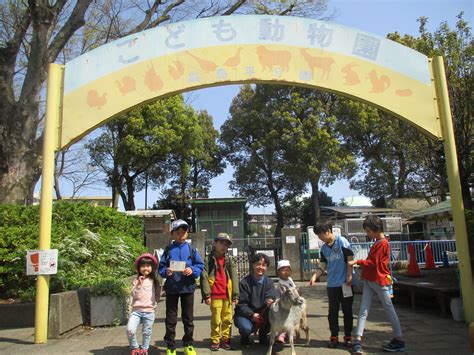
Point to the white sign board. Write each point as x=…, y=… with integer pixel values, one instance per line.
x=235, y=251
x=336, y=230
x=235, y=223
x=314, y=241
x=290, y=239
x=42, y=262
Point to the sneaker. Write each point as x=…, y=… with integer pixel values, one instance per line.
x=333, y=342
x=357, y=347
x=395, y=346
x=281, y=338
x=348, y=341
x=215, y=347
x=189, y=350
x=170, y=351
x=136, y=351
x=263, y=340
x=245, y=341
x=227, y=344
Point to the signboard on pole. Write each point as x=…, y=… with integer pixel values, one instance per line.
x=42, y=262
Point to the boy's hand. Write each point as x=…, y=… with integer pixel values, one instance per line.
x=349, y=281
x=169, y=272
x=256, y=317
x=236, y=302
x=312, y=280
x=188, y=271
x=351, y=262
x=208, y=301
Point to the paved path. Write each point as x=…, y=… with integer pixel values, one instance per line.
x=425, y=333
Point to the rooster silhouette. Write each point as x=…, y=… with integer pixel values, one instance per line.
x=94, y=100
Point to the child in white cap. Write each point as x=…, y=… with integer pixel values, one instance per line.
x=284, y=279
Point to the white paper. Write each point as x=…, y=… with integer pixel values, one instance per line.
x=42, y=262
x=177, y=265
x=346, y=290
x=290, y=239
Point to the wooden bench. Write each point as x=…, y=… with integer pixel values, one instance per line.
x=443, y=292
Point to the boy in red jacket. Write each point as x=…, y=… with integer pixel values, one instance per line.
x=375, y=275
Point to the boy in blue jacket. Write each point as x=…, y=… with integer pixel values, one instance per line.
x=180, y=264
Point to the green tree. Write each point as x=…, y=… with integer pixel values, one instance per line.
x=301, y=209
x=252, y=138
x=457, y=47
x=138, y=142
x=195, y=159
x=313, y=146
x=34, y=33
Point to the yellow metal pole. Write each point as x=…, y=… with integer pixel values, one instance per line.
x=457, y=206
x=53, y=111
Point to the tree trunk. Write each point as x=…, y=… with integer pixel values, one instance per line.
x=20, y=160
x=315, y=198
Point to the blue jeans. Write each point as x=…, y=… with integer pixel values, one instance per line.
x=371, y=289
x=245, y=326
x=147, y=319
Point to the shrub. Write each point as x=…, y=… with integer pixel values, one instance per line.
x=94, y=243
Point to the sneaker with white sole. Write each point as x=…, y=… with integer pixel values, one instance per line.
x=395, y=346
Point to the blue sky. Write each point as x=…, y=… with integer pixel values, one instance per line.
x=377, y=16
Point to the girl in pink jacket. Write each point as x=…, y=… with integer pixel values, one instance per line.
x=144, y=295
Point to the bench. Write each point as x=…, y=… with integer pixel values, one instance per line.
x=442, y=292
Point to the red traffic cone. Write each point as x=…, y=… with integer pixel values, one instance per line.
x=429, y=260
x=413, y=269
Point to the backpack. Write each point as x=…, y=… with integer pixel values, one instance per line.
x=192, y=253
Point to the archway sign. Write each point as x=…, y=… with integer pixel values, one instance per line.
x=184, y=56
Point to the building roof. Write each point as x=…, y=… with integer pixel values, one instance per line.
x=151, y=213
x=202, y=201
x=441, y=207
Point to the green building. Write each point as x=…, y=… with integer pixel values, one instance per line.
x=220, y=215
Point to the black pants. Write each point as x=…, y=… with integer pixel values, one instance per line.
x=336, y=298
x=187, y=312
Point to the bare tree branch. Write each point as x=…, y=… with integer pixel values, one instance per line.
x=234, y=8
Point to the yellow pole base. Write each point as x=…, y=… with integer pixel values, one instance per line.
x=42, y=309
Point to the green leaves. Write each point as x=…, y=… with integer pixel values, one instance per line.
x=94, y=243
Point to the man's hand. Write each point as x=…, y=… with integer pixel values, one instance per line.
x=312, y=280
x=188, y=271
x=208, y=301
x=236, y=302
x=256, y=317
x=169, y=272
x=269, y=302
x=349, y=280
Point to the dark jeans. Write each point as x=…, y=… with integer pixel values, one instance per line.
x=187, y=310
x=246, y=326
x=336, y=298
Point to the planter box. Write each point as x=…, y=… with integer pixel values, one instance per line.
x=106, y=310
x=17, y=315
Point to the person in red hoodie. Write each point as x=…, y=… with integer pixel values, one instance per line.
x=376, y=280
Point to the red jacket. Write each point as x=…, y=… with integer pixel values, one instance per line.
x=375, y=267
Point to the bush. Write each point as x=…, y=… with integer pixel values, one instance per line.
x=94, y=243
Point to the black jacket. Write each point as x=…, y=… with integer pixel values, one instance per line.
x=253, y=296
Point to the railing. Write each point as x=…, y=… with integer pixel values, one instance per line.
x=399, y=252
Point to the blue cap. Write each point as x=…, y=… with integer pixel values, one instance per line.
x=179, y=223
